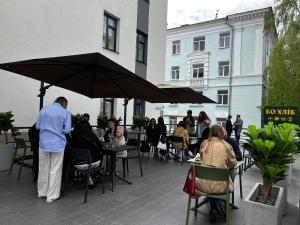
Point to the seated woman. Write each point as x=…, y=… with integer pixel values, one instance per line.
x=86, y=139
x=180, y=131
x=152, y=133
x=216, y=152
x=115, y=136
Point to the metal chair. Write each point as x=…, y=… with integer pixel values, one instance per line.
x=132, y=154
x=212, y=174
x=84, y=156
x=20, y=144
x=176, y=140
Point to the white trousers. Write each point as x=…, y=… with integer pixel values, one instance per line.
x=50, y=172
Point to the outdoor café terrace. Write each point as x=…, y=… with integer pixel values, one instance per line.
x=156, y=198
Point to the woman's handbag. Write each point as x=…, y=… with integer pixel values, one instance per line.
x=190, y=182
x=161, y=145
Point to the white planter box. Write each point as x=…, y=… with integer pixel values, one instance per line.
x=6, y=154
x=261, y=214
x=284, y=185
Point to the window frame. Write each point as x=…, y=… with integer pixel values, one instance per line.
x=198, y=69
x=104, y=109
x=224, y=39
x=177, y=49
x=199, y=43
x=176, y=74
x=223, y=68
x=108, y=27
x=138, y=42
x=222, y=97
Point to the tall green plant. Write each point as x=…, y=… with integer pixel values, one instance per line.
x=140, y=122
x=272, y=149
x=101, y=121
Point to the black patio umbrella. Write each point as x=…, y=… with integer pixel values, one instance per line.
x=181, y=95
x=91, y=74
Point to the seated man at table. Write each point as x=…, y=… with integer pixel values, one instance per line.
x=180, y=131
x=216, y=152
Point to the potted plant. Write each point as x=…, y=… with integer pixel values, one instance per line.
x=139, y=122
x=272, y=149
x=76, y=119
x=117, y=121
x=7, y=148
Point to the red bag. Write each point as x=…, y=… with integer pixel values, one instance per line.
x=190, y=182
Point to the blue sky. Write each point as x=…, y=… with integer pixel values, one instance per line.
x=193, y=11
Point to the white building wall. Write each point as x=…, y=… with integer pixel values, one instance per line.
x=156, y=50
x=40, y=28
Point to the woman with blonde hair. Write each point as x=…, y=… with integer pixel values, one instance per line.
x=216, y=152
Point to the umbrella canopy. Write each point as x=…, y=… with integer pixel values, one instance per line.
x=181, y=95
x=92, y=75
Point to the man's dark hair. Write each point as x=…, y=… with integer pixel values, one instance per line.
x=229, y=116
x=86, y=115
x=60, y=99
x=189, y=111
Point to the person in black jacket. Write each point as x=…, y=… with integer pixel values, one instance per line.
x=152, y=132
x=34, y=138
x=229, y=125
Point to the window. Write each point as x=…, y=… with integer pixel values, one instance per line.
x=223, y=97
x=173, y=123
x=176, y=47
x=225, y=40
x=175, y=73
x=221, y=121
x=109, y=32
x=223, y=68
x=108, y=107
x=139, y=107
x=198, y=70
x=199, y=44
x=141, y=47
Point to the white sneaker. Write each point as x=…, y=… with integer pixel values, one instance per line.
x=42, y=196
x=51, y=200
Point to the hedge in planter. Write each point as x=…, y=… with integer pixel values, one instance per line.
x=272, y=149
x=6, y=124
x=140, y=122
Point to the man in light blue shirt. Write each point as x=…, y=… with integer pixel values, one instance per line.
x=54, y=122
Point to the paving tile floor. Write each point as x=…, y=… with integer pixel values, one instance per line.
x=154, y=199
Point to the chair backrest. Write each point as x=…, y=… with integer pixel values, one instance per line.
x=82, y=154
x=177, y=139
x=212, y=173
x=20, y=143
x=133, y=142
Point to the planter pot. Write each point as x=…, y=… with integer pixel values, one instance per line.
x=262, y=214
x=284, y=185
x=6, y=155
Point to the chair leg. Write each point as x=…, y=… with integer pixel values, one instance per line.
x=196, y=206
x=141, y=170
x=188, y=211
x=123, y=165
x=12, y=162
x=240, y=180
x=86, y=187
x=22, y=163
x=227, y=211
x=232, y=197
x=103, y=181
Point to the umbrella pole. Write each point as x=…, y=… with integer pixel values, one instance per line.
x=42, y=94
x=125, y=116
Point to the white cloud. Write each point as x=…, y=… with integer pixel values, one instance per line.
x=193, y=11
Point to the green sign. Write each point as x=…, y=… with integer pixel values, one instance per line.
x=280, y=114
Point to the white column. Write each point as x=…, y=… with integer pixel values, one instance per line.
x=258, y=60
x=237, y=52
